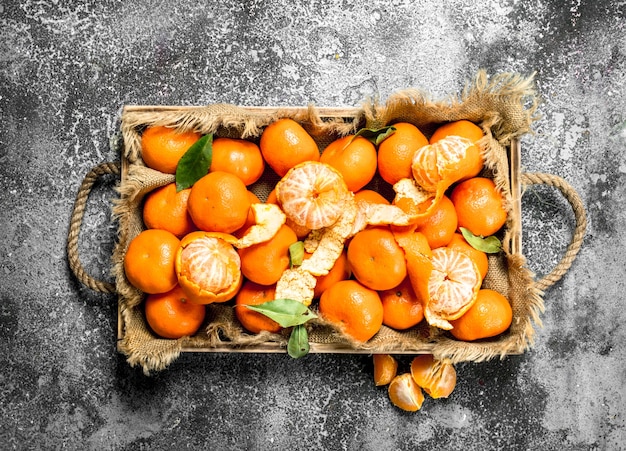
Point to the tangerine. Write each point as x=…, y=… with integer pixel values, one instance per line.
x=490, y=315
x=356, y=309
x=402, y=308
x=439, y=225
x=285, y=143
x=339, y=271
x=264, y=263
x=463, y=128
x=354, y=158
x=376, y=259
x=395, y=153
x=208, y=267
x=165, y=208
x=479, y=206
x=370, y=196
x=252, y=293
x=239, y=157
x=149, y=261
x=170, y=315
x=219, y=202
x=162, y=147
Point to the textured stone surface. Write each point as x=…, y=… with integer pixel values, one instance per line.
x=66, y=70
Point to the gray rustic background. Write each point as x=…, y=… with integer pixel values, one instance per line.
x=66, y=70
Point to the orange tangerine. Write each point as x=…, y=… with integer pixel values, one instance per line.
x=439, y=225
x=170, y=315
x=239, y=157
x=285, y=143
x=254, y=294
x=402, y=308
x=163, y=147
x=395, y=153
x=479, y=206
x=490, y=315
x=165, y=208
x=354, y=158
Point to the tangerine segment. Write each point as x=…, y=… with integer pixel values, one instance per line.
x=405, y=394
x=312, y=194
x=453, y=284
x=437, y=166
x=436, y=377
x=208, y=269
x=385, y=368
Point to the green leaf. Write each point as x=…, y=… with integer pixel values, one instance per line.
x=195, y=163
x=298, y=345
x=490, y=244
x=296, y=253
x=376, y=135
x=286, y=312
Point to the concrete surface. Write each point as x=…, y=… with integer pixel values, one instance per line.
x=66, y=70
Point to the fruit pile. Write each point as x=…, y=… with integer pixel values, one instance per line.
x=322, y=244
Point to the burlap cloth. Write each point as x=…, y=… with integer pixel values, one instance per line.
x=504, y=106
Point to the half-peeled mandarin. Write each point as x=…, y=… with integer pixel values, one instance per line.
x=208, y=268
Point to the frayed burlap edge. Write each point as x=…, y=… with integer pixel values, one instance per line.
x=504, y=106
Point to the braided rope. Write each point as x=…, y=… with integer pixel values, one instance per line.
x=579, y=232
x=76, y=221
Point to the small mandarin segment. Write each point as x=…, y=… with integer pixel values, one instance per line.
x=149, y=261
x=239, y=157
x=285, y=143
x=312, y=194
x=490, y=316
x=479, y=206
x=354, y=308
x=264, y=263
x=402, y=308
x=165, y=208
x=405, y=394
x=354, y=158
x=395, y=153
x=254, y=294
x=170, y=315
x=437, y=378
x=163, y=147
x=208, y=268
x=376, y=259
x=219, y=202
x=385, y=368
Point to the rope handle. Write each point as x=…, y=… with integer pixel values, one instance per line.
x=570, y=194
x=76, y=221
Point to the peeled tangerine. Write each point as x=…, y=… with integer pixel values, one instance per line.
x=208, y=268
x=436, y=377
x=312, y=194
x=447, y=282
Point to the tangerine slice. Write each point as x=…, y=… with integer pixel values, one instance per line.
x=208, y=268
x=436, y=377
x=385, y=368
x=312, y=194
x=405, y=394
x=453, y=284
